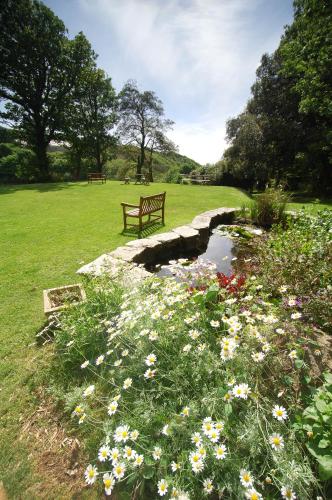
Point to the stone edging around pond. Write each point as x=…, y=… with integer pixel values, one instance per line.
x=153, y=249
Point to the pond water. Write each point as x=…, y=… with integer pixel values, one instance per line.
x=220, y=251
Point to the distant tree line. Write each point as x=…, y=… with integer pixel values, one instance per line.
x=284, y=135
x=52, y=92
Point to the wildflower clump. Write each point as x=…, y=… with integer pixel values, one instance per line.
x=189, y=399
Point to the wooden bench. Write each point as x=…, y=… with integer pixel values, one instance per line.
x=96, y=176
x=148, y=206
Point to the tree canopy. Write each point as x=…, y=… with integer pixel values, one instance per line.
x=285, y=133
x=39, y=68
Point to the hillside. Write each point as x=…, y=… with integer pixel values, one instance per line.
x=165, y=166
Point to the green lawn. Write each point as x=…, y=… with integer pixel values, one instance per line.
x=47, y=232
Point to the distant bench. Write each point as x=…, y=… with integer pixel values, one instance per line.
x=148, y=206
x=96, y=176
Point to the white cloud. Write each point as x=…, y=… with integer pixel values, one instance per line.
x=200, y=56
x=203, y=144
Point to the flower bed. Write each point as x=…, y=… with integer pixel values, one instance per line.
x=187, y=392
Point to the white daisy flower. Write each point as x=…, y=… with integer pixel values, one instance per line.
x=79, y=410
x=85, y=364
x=114, y=455
x=296, y=315
x=139, y=459
x=207, y=426
x=241, y=391
x=253, y=494
x=104, y=453
x=280, y=331
x=213, y=435
x=165, y=430
x=276, y=441
x=121, y=434
x=196, y=438
x=288, y=493
x=134, y=435
x=279, y=413
x=125, y=353
x=118, y=362
x=127, y=383
x=162, y=487
x=187, y=348
x=90, y=474
x=208, y=485
x=109, y=482
x=100, y=359
x=293, y=354
x=156, y=453
x=149, y=373
x=150, y=359
x=129, y=453
x=195, y=457
x=197, y=467
x=119, y=470
x=258, y=357
x=88, y=391
x=215, y=323
x=202, y=451
x=246, y=478
x=112, y=408
x=185, y=411
x=153, y=335
x=220, y=452
x=175, y=466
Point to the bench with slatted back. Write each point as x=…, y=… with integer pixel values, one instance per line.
x=148, y=206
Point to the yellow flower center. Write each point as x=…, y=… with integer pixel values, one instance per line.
x=118, y=470
x=279, y=413
x=91, y=473
x=104, y=453
x=195, y=458
x=254, y=496
x=107, y=483
x=276, y=441
x=246, y=478
x=163, y=487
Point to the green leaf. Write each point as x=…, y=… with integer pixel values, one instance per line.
x=148, y=471
x=325, y=467
x=228, y=409
x=323, y=443
x=299, y=363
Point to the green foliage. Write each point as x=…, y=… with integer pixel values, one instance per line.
x=17, y=164
x=300, y=258
x=39, y=68
x=291, y=97
x=269, y=208
x=316, y=421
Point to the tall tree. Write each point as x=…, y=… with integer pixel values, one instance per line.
x=39, y=68
x=91, y=117
x=141, y=117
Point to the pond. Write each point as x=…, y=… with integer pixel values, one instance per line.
x=220, y=250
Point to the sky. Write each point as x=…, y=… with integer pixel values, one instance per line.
x=199, y=56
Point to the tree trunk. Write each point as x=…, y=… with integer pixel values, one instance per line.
x=150, y=168
x=99, y=163
x=39, y=146
x=141, y=159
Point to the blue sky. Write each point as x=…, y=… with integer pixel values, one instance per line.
x=199, y=56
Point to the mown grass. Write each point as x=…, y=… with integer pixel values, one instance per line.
x=47, y=232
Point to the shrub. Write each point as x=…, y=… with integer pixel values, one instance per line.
x=269, y=208
x=17, y=164
x=316, y=422
x=183, y=390
x=300, y=259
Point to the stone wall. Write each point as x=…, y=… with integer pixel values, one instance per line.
x=136, y=254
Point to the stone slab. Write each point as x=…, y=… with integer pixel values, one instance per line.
x=103, y=264
x=144, y=243
x=127, y=254
x=186, y=232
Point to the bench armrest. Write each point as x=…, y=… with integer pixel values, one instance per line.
x=129, y=205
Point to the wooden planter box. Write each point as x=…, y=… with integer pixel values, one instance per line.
x=56, y=299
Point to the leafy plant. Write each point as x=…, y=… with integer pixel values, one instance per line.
x=269, y=208
x=317, y=422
